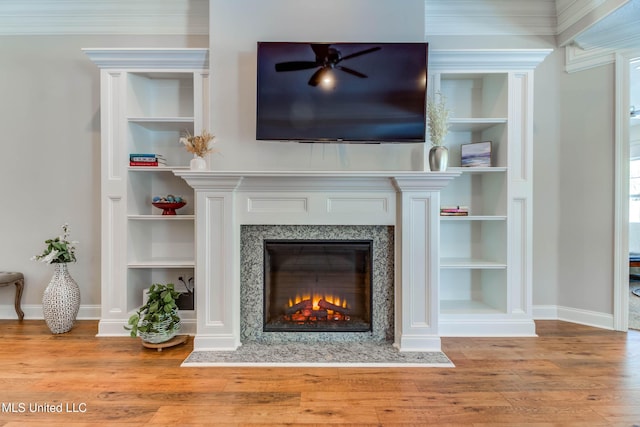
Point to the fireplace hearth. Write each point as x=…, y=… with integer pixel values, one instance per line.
x=317, y=286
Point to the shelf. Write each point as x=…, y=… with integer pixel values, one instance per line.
x=163, y=123
x=163, y=263
x=162, y=217
x=474, y=124
x=492, y=169
x=473, y=218
x=471, y=263
x=156, y=168
x=466, y=307
x=160, y=120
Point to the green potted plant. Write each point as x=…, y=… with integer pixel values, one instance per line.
x=157, y=320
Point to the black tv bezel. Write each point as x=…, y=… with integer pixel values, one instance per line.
x=345, y=140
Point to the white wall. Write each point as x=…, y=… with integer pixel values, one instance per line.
x=586, y=189
x=49, y=122
x=574, y=188
x=49, y=157
x=234, y=33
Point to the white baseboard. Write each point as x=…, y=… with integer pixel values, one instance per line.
x=545, y=312
x=34, y=312
x=540, y=312
x=573, y=315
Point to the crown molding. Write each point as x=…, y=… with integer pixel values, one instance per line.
x=158, y=59
x=569, y=12
x=486, y=59
x=577, y=16
x=490, y=17
x=113, y=17
x=577, y=59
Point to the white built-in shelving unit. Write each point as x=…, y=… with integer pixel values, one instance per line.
x=485, y=257
x=149, y=99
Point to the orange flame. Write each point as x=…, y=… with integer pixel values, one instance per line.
x=316, y=297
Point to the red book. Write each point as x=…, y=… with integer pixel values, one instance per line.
x=143, y=164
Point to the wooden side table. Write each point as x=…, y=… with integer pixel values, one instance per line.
x=13, y=278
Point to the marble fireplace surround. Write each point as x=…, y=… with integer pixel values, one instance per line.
x=226, y=200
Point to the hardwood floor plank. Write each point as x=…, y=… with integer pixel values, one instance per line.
x=509, y=415
x=409, y=400
x=570, y=375
x=298, y=415
x=592, y=398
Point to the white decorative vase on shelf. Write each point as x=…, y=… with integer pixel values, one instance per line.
x=438, y=158
x=61, y=300
x=198, y=163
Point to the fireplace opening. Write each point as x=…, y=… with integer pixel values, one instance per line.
x=317, y=285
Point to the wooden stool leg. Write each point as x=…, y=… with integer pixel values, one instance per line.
x=19, y=289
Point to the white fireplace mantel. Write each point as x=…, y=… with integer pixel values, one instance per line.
x=225, y=200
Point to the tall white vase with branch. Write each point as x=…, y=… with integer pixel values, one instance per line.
x=61, y=298
x=438, y=122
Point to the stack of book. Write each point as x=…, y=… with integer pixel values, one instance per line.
x=146, y=160
x=454, y=211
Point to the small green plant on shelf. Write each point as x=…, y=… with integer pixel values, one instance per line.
x=157, y=320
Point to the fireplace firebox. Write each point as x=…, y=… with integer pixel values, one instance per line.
x=317, y=285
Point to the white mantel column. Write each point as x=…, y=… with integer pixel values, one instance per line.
x=217, y=278
x=417, y=264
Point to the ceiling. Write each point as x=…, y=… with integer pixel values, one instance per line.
x=618, y=30
x=589, y=24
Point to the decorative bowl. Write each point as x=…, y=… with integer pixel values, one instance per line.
x=168, y=208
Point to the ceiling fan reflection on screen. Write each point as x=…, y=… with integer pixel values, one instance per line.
x=327, y=58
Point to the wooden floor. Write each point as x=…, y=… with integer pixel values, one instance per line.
x=570, y=375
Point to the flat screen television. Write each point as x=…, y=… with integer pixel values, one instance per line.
x=341, y=92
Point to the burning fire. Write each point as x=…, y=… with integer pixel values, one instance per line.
x=335, y=300
x=317, y=307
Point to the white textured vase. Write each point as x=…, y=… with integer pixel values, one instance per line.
x=198, y=164
x=61, y=300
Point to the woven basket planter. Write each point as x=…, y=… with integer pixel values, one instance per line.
x=164, y=332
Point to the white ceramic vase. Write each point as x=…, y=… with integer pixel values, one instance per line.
x=198, y=164
x=61, y=300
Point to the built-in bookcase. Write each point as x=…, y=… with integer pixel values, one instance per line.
x=149, y=99
x=485, y=257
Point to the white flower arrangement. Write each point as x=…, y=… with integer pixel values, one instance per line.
x=59, y=249
x=437, y=118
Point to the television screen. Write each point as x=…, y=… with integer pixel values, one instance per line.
x=341, y=92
